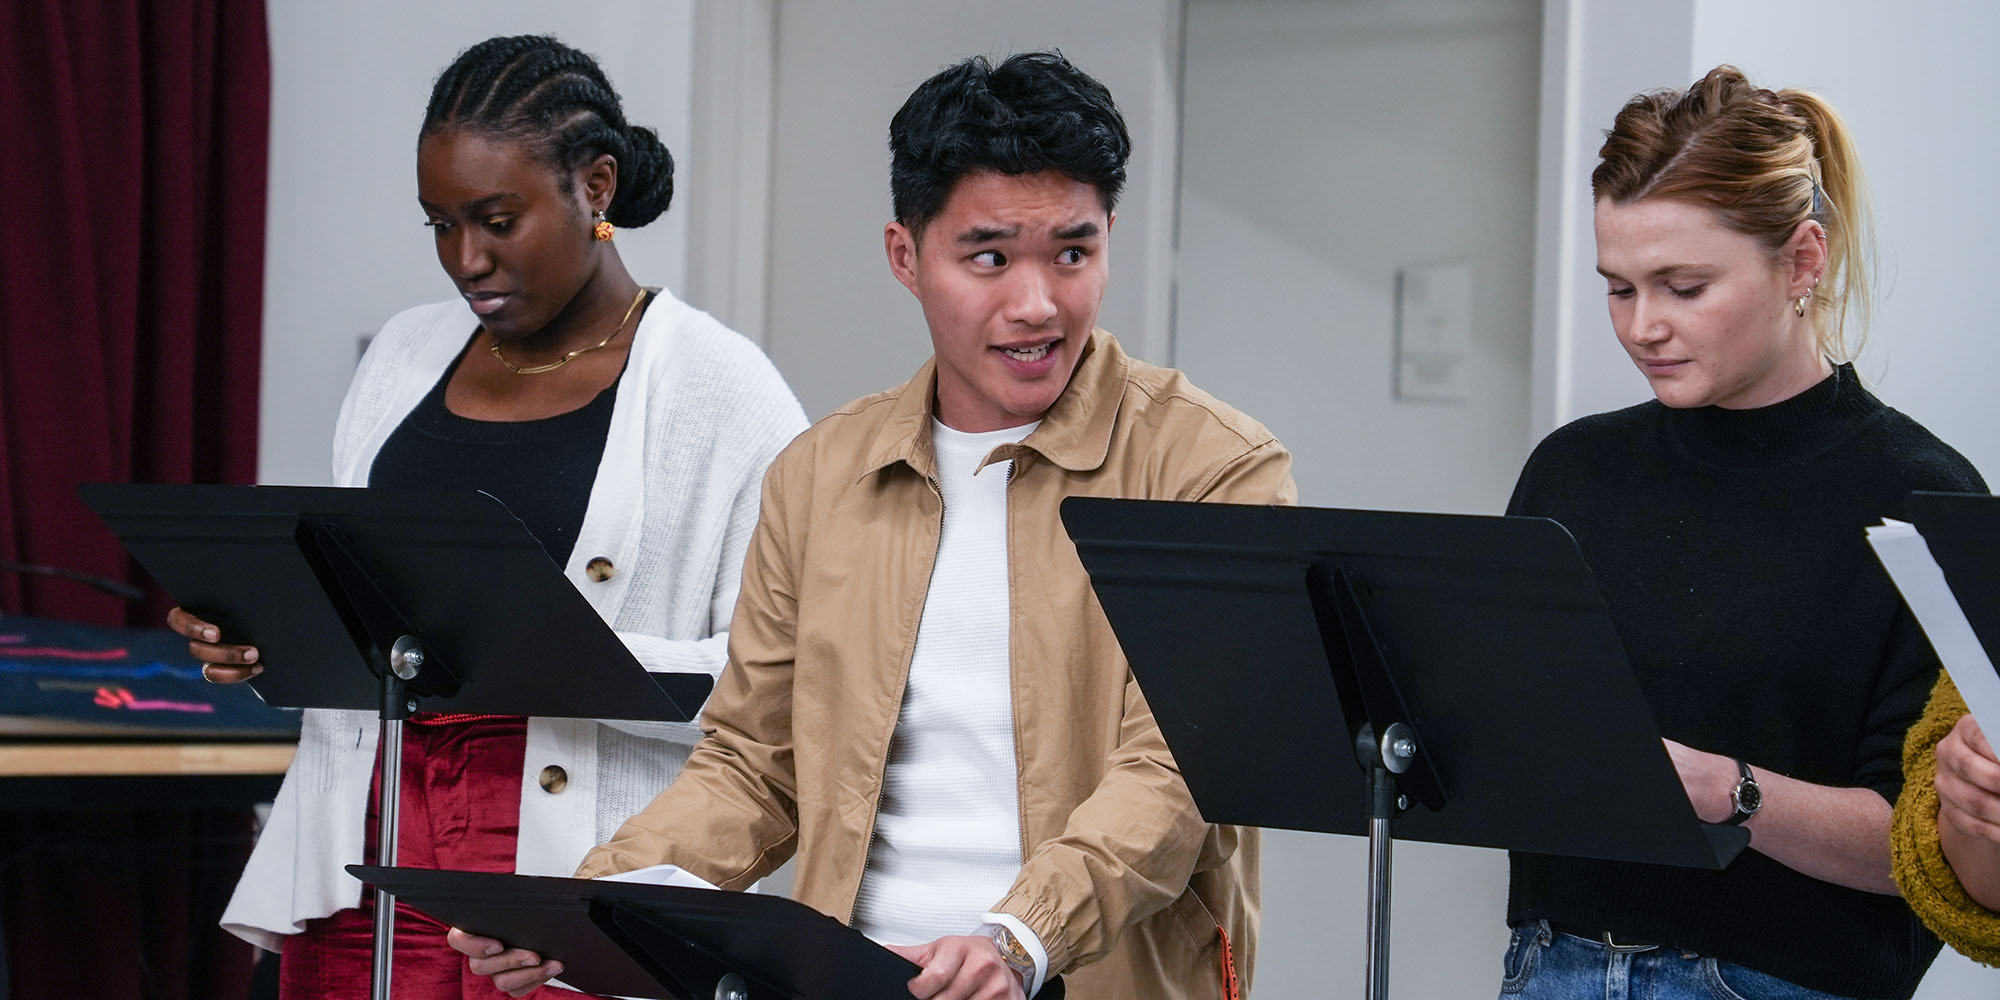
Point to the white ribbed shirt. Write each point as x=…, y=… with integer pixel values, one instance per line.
x=947, y=839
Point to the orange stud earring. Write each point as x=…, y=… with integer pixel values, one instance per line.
x=603, y=230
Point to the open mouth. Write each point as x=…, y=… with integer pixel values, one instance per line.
x=1028, y=354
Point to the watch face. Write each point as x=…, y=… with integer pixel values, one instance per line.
x=1010, y=946
x=1748, y=797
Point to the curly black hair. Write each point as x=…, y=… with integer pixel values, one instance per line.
x=1033, y=112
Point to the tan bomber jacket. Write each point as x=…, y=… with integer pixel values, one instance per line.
x=1125, y=885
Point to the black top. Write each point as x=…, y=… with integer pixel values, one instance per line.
x=541, y=469
x=1729, y=547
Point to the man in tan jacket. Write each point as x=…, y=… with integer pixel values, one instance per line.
x=923, y=700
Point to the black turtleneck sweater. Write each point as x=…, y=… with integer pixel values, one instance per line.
x=1729, y=547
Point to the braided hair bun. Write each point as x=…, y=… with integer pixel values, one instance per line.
x=535, y=90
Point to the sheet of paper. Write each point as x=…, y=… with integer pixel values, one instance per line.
x=655, y=875
x=1908, y=559
x=662, y=875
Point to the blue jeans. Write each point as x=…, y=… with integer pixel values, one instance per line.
x=1542, y=964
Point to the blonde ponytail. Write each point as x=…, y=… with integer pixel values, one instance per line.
x=1849, y=220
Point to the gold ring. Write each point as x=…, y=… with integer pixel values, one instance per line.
x=204, y=673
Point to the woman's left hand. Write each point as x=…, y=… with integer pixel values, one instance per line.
x=516, y=972
x=1834, y=834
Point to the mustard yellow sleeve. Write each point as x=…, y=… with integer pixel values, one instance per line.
x=1923, y=873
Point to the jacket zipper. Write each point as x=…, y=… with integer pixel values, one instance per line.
x=882, y=773
x=1013, y=710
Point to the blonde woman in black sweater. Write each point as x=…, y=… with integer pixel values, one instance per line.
x=1723, y=522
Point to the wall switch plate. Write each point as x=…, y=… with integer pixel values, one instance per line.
x=1433, y=331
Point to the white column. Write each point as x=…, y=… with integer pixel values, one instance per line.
x=1595, y=55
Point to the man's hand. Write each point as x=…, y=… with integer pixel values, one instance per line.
x=960, y=967
x=515, y=971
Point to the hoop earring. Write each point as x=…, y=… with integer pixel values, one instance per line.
x=1799, y=305
x=603, y=230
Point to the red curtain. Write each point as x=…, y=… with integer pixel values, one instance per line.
x=133, y=140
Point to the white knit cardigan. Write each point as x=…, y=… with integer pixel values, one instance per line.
x=700, y=412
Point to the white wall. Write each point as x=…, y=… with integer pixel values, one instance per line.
x=344, y=250
x=1595, y=55
x=1324, y=146
x=839, y=326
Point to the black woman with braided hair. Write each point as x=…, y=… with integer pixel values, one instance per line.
x=627, y=430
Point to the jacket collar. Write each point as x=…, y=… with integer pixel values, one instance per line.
x=1075, y=434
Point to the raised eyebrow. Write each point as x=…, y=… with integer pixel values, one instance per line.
x=987, y=234
x=1079, y=231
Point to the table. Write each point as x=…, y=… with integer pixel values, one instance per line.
x=70, y=774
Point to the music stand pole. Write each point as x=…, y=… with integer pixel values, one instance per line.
x=405, y=657
x=1385, y=759
x=386, y=637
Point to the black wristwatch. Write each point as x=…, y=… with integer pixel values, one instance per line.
x=1747, y=797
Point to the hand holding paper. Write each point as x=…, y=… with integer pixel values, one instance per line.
x=1968, y=781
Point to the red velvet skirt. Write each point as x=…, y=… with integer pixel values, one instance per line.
x=461, y=809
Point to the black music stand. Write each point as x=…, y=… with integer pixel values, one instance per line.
x=1319, y=669
x=640, y=940
x=443, y=600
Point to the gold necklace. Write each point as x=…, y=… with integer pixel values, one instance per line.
x=571, y=356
